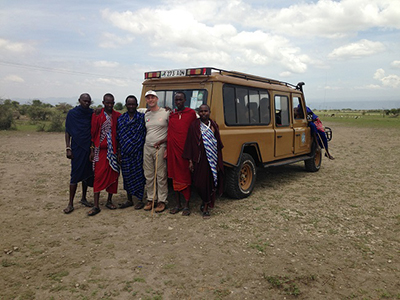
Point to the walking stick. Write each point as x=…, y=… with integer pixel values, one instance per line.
x=322, y=143
x=154, y=188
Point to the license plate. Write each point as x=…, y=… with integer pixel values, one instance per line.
x=173, y=73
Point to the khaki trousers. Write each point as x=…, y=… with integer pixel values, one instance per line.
x=149, y=166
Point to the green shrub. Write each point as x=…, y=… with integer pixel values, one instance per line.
x=40, y=127
x=56, y=122
x=6, y=118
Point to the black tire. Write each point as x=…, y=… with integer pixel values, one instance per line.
x=239, y=181
x=314, y=164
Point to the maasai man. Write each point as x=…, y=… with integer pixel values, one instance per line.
x=77, y=141
x=203, y=149
x=178, y=167
x=131, y=133
x=104, y=153
x=156, y=119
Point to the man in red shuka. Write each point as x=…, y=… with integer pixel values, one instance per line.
x=178, y=167
x=104, y=153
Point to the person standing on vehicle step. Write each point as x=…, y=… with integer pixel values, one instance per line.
x=178, y=167
x=203, y=149
x=318, y=131
x=154, y=164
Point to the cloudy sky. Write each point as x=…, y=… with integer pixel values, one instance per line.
x=345, y=51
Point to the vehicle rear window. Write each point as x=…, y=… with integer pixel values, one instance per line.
x=194, y=98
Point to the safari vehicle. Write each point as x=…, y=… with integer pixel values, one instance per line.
x=262, y=122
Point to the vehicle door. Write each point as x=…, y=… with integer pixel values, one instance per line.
x=301, y=134
x=283, y=127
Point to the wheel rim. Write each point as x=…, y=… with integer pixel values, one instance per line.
x=317, y=157
x=246, y=177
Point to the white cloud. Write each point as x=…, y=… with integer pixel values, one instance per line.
x=14, y=47
x=14, y=78
x=392, y=81
x=324, y=18
x=368, y=87
x=357, y=50
x=177, y=35
x=110, y=40
x=379, y=74
x=105, y=64
x=330, y=18
x=395, y=64
x=334, y=88
x=285, y=74
x=107, y=82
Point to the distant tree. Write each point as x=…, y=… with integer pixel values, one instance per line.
x=63, y=107
x=6, y=117
x=23, y=109
x=118, y=106
x=37, y=113
x=56, y=122
x=39, y=103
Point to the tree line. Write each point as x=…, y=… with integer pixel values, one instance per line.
x=45, y=116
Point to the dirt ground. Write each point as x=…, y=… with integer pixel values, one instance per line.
x=334, y=234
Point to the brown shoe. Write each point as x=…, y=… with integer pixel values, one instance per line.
x=148, y=205
x=160, y=207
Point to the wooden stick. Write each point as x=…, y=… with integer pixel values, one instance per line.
x=155, y=182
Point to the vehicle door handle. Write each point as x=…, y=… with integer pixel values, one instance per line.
x=279, y=136
x=298, y=134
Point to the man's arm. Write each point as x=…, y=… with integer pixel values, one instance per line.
x=68, y=145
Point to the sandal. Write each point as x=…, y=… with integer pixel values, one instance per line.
x=86, y=203
x=110, y=205
x=186, y=212
x=175, y=210
x=94, y=211
x=206, y=215
x=139, y=205
x=69, y=209
x=125, y=204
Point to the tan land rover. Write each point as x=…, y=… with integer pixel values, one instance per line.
x=262, y=122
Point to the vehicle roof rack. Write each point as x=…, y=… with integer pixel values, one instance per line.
x=252, y=77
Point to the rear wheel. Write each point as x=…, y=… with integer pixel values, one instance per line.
x=314, y=164
x=239, y=181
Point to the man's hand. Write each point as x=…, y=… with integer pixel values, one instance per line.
x=69, y=154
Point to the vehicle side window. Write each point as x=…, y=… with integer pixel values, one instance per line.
x=246, y=106
x=229, y=105
x=298, y=110
x=242, y=109
x=265, y=109
x=282, y=111
x=254, y=101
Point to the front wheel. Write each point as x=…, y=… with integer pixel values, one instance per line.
x=314, y=163
x=239, y=181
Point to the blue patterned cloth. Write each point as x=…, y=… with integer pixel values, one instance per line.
x=131, y=134
x=78, y=124
x=210, y=145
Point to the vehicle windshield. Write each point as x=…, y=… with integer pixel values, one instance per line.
x=194, y=98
